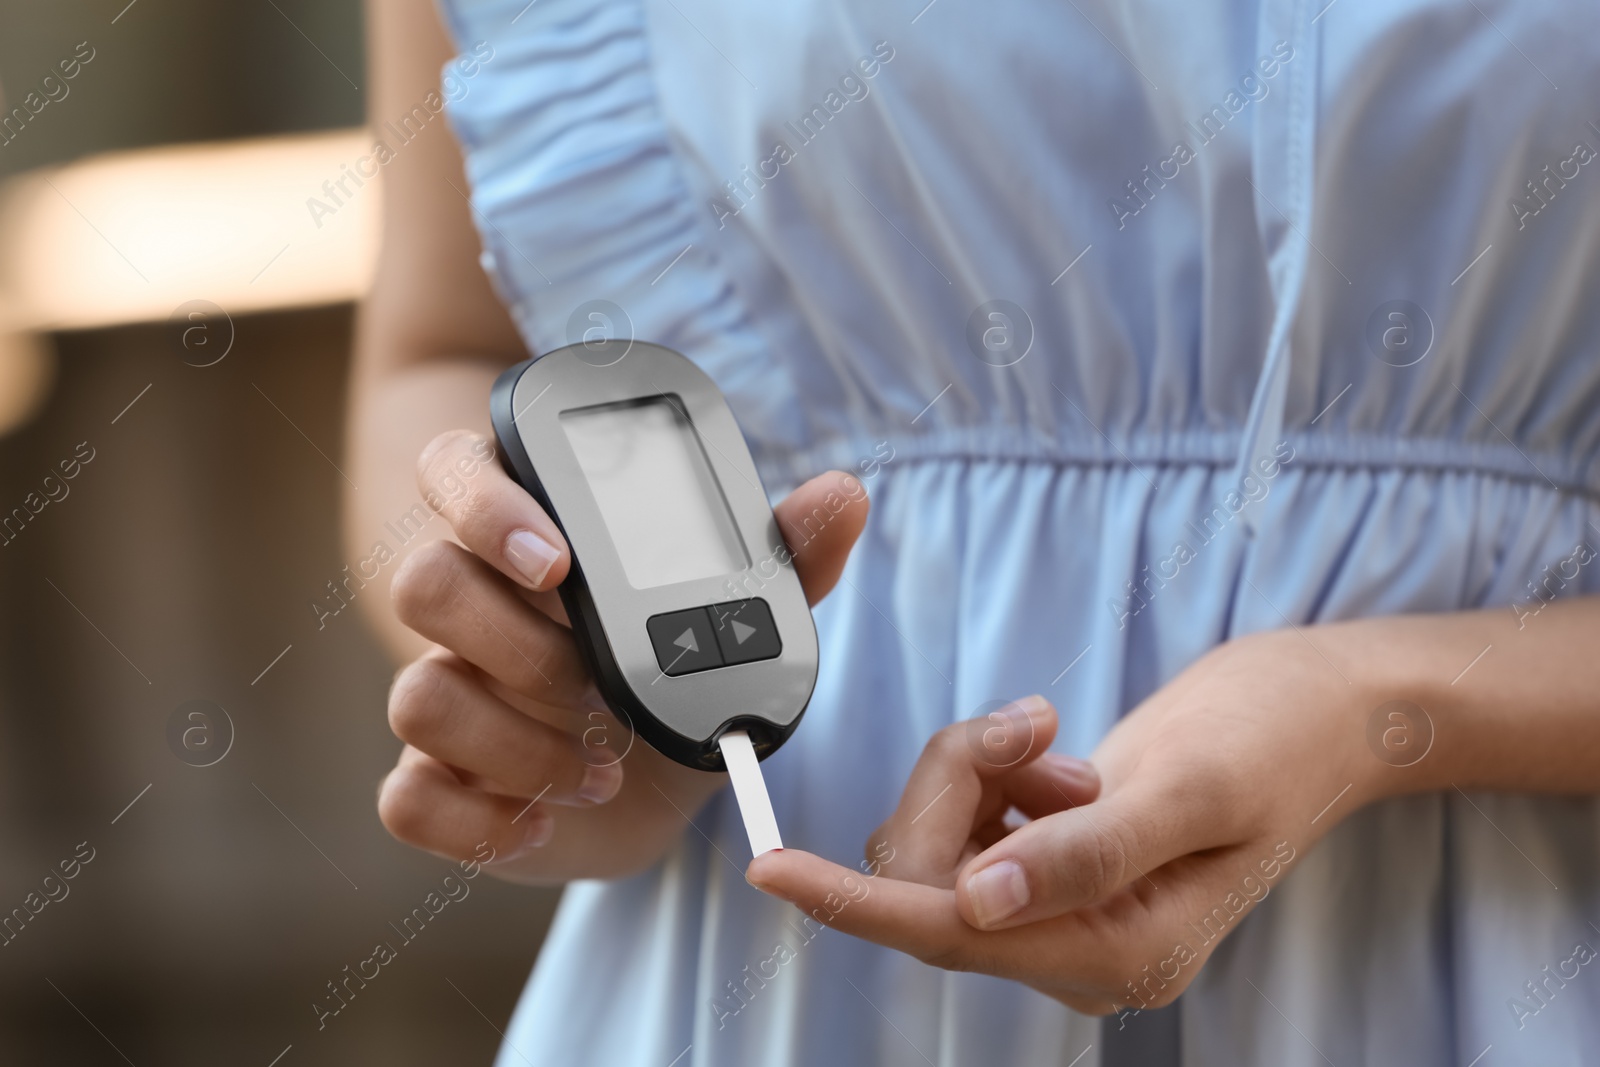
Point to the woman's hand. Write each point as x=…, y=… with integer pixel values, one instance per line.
x=507, y=740
x=1117, y=888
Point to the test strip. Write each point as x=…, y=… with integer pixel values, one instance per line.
x=751, y=791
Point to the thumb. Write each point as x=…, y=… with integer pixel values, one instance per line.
x=1083, y=855
x=821, y=521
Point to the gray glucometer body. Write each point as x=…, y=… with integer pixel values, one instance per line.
x=681, y=597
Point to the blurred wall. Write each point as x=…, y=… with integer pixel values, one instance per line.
x=170, y=71
x=178, y=564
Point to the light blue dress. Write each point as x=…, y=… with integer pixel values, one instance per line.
x=1376, y=253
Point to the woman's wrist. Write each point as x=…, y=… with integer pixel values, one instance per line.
x=1395, y=670
x=1389, y=701
x=1329, y=687
x=1472, y=699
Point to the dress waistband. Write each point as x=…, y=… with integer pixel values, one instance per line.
x=1572, y=475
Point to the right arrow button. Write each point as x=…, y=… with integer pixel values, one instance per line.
x=745, y=631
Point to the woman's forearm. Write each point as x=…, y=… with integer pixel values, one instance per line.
x=431, y=334
x=393, y=415
x=1510, y=702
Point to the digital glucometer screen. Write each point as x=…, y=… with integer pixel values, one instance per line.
x=657, y=495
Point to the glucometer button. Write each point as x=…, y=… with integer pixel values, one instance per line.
x=745, y=631
x=683, y=642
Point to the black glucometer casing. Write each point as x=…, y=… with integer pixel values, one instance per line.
x=603, y=434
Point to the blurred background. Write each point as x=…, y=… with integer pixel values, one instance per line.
x=174, y=330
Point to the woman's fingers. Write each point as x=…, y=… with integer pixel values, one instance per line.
x=918, y=920
x=439, y=706
x=820, y=521
x=969, y=775
x=1054, y=782
x=1081, y=856
x=461, y=478
x=943, y=798
x=452, y=597
x=1138, y=949
x=424, y=804
x=1080, y=959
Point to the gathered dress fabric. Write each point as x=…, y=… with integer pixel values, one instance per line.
x=1147, y=325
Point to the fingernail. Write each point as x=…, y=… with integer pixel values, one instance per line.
x=1026, y=707
x=531, y=554
x=539, y=828
x=771, y=891
x=600, y=784
x=594, y=701
x=1081, y=771
x=997, y=892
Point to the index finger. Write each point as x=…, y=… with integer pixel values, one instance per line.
x=495, y=518
x=1071, y=957
x=1086, y=959
x=916, y=919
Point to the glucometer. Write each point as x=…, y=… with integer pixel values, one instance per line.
x=681, y=597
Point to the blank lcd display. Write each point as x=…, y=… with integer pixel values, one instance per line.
x=660, y=502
